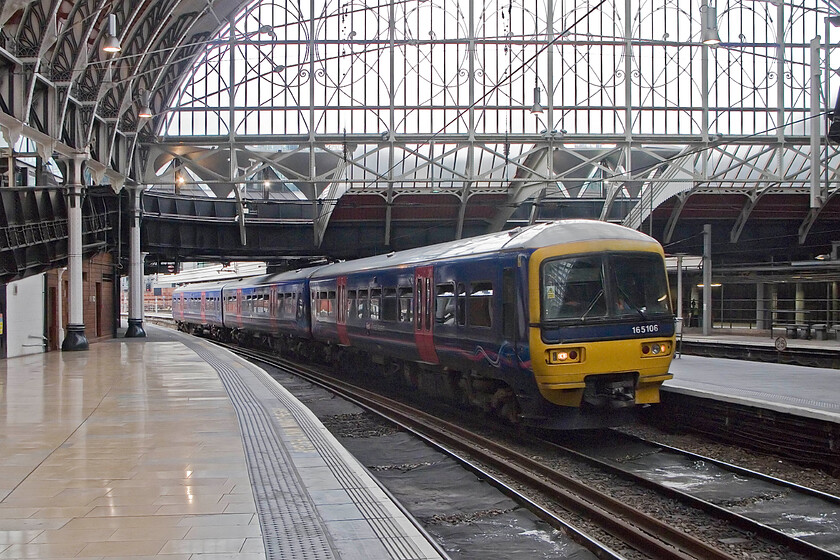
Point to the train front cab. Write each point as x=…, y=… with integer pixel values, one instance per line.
x=590, y=347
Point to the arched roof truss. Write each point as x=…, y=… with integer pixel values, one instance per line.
x=475, y=109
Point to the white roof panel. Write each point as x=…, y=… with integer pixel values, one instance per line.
x=524, y=238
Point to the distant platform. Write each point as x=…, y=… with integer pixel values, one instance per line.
x=802, y=391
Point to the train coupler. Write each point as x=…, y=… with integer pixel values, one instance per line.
x=610, y=391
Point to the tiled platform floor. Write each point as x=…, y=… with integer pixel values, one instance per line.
x=107, y=454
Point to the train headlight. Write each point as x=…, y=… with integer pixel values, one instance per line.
x=652, y=349
x=564, y=355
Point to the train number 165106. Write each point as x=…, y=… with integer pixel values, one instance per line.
x=645, y=329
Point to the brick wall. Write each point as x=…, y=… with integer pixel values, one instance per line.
x=98, y=277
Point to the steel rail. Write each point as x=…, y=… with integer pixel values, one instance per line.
x=633, y=527
x=739, y=520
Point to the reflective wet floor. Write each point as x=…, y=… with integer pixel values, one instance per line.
x=129, y=449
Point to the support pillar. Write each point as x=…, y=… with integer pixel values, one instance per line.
x=799, y=304
x=707, y=279
x=680, y=290
x=135, y=271
x=75, y=339
x=760, y=308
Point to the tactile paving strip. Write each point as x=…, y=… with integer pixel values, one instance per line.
x=290, y=525
x=383, y=525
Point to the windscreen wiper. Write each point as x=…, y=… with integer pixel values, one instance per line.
x=630, y=304
x=592, y=303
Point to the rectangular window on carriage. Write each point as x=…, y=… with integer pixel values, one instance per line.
x=375, y=303
x=352, y=311
x=331, y=303
x=323, y=304
x=290, y=305
x=362, y=308
x=445, y=304
x=406, y=300
x=389, y=304
x=480, y=304
x=461, y=305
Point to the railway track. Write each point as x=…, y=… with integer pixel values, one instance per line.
x=800, y=518
x=645, y=533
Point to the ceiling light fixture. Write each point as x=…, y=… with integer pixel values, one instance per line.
x=709, y=34
x=145, y=111
x=111, y=44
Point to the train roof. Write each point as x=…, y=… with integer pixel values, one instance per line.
x=201, y=286
x=522, y=238
x=275, y=278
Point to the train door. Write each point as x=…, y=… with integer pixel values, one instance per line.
x=239, y=307
x=424, y=313
x=341, y=312
x=203, y=304
x=509, y=318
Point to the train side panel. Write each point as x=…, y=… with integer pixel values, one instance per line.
x=200, y=306
x=268, y=308
x=370, y=311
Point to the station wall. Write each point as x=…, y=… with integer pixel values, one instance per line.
x=23, y=317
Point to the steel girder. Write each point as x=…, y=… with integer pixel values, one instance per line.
x=57, y=88
x=34, y=229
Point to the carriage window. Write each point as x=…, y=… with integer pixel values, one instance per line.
x=362, y=309
x=389, y=304
x=331, y=303
x=406, y=300
x=352, y=312
x=375, y=302
x=322, y=304
x=301, y=306
x=445, y=304
x=480, y=305
x=461, y=305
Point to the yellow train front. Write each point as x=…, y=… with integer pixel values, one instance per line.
x=601, y=329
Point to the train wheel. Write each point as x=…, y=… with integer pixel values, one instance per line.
x=410, y=374
x=505, y=405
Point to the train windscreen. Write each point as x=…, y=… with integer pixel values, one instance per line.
x=628, y=285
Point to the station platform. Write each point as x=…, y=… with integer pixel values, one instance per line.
x=170, y=447
x=811, y=392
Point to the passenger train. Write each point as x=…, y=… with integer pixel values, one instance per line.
x=561, y=325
